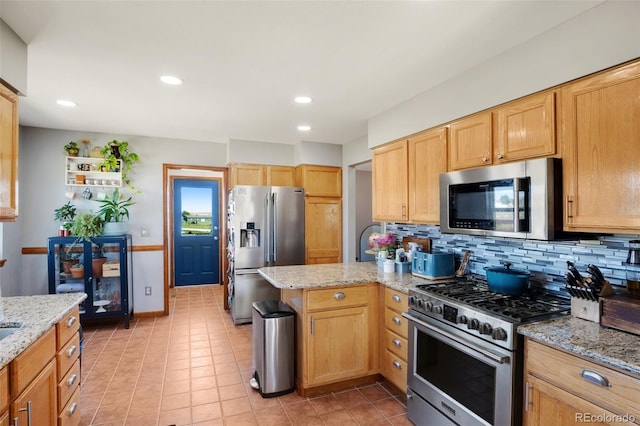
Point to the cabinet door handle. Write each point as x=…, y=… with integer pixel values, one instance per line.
x=339, y=295
x=500, y=156
x=72, y=409
x=28, y=410
x=396, y=321
x=312, y=325
x=71, y=321
x=404, y=210
x=71, y=350
x=396, y=298
x=397, y=364
x=72, y=379
x=526, y=396
x=596, y=378
x=485, y=158
x=397, y=343
x=568, y=207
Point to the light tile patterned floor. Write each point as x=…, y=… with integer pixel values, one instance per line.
x=193, y=368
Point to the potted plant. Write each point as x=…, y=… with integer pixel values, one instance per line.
x=114, y=209
x=77, y=270
x=72, y=149
x=117, y=150
x=68, y=260
x=97, y=260
x=66, y=213
x=87, y=226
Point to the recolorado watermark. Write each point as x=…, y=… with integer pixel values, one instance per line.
x=604, y=418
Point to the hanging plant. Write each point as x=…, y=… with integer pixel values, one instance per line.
x=117, y=157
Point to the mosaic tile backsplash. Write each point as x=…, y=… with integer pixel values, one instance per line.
x=546, y=260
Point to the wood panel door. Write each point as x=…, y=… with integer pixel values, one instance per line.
x=323, y=230
x=526, y=128
x=40, y=396
x=320, y=181
x=471, y=142
x=246, y=174
x=390, y=182
x=8, y=154
x=281, y=176
x=601, y=152
x=427, y=159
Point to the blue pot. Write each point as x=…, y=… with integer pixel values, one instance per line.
x=503, y=280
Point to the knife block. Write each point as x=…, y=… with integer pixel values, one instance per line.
x=590, y=309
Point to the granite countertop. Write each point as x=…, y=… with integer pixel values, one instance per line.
x=36, y=315
x=589, y=340
x=336, y=274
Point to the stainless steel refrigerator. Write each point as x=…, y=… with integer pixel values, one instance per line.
x=265, y=228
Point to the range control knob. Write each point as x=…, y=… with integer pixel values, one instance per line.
x=499, y=334
x=429, y=306
x=462, y=319
x=412, y=300
x=485, y=328
x=437, y=310
x=420, y=302
x=474, y=324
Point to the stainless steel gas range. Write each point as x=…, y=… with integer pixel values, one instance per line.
x=465, y=356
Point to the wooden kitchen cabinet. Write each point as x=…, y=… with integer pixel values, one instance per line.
x=526, y=128
x=33, y=383
x=246, y=174
x=4, y=396
x=471, y=141
x=323, y=230
x=391, y=182
x=8, y=154
x=320, y=181
x=68, y=368
x=600, y=122
x=281, y=176
x=406, y=178
x=336, y=336
x=556, y=392
x=394, y=337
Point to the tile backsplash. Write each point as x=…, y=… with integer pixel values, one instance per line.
x=546, y=260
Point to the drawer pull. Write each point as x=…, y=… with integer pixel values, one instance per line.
x=397, y=343
x=72, y=379
x=397, y=365
x=339, y=295
x=71, y=350
x=396, y=321
x=596, y=378
x=396, y=298
x=72, y=409
x=71, y=321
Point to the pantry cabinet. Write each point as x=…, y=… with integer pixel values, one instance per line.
x=561, y=388
x=600, y=122
x=406, y=177
x=336, y=336
x=8, y=154
x=106, y=275
x=471, y=142
x=526, y=128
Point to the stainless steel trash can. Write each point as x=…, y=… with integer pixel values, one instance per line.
x=273, y=351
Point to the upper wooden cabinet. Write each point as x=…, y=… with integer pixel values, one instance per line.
x=406, y=177
x=323, y=230
x=8, y=154
x=471, y=142
x=319, y=181
x=390, y=182
x=600, y=121
x=526, y=128
x=260, y=174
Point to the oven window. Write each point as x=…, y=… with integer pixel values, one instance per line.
x=464, y=378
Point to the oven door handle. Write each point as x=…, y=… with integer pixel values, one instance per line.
x=494, y=357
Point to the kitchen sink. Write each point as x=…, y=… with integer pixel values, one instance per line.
x=7, y=330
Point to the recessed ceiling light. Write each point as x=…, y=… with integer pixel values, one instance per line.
x=63, y=102
x=169, y=79
x=302, y=99
x=304, y=128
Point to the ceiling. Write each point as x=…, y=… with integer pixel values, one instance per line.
x=243, y=62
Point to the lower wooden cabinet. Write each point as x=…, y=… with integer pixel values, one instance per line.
x=394, y=337
x=4, y=396
x=70, y=414
x=561, y=388
x=38, y=401
x=4, y=419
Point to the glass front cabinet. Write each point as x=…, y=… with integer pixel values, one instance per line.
x=101, y=268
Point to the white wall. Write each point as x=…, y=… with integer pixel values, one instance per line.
x=277, y=154
x=13, y=59
x=601, y=37
x=323, y=154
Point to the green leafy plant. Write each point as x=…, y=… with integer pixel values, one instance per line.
x=77, y=266
x=118, y=150
x=72, y=148
x=115, y=208
x=66, y=212
x=87, y=226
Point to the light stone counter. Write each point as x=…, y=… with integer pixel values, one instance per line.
x=587, y=339
x=336, y=274
x=35, y=315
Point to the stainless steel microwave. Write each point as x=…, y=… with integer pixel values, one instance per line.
x=518, y=200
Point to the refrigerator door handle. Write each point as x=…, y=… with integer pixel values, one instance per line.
x=246, y=271
x=274, y=223
x=267, y=251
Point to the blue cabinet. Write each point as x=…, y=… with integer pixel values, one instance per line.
x=101, y=268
